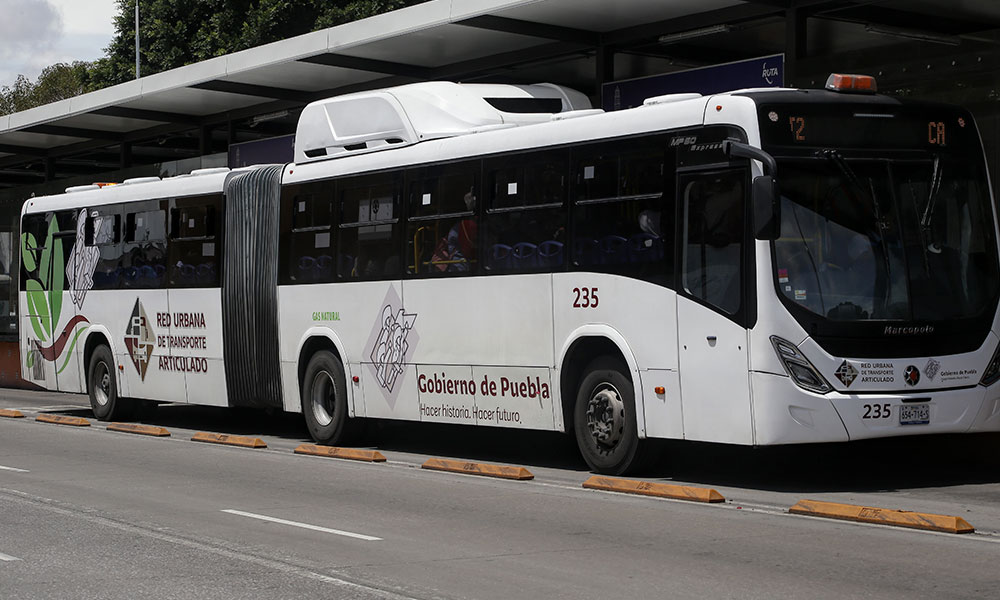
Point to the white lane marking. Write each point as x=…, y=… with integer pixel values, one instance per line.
x=214, y=546
x=8, y=557
x=359, y=536
x=16, y=470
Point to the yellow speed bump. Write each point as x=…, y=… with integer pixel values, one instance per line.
x=11, y=413
x=882, y=516
x=471, y=468
x=334, y=452
x=139, y=429
x=63, y=420
x=648, y=488
x=231, y=440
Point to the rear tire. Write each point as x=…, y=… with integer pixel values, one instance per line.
x=324, y=402
x=604, y=419
x=102, y=386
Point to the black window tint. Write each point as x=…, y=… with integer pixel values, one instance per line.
x=369, y=230
x=44, y=237
x=195, y=242
x=523, y=180
x=713, y=214
x=619, y=169
x=443, y=190
x=623, y=218
x=34, y=230
x=525, y=240
x=525, y=228
x=103, y=232
x=442, y=234
x=313, y=207
x=144, y=251
x=308, y=244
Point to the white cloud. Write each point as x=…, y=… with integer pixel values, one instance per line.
x=37, y=33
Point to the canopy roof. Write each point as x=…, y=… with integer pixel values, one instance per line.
x=201, y=108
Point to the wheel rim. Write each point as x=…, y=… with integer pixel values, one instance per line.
x=606, y=415
x=323, y=399
x=102, y=388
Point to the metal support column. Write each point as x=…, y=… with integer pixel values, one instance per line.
x=125, y=155
x=795, y=44
x=605, y=71
x=205, y=140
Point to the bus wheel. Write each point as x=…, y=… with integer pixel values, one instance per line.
x=604, y=418
x=324, y=401
x=103, y=387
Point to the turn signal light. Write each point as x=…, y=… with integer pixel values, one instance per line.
x=855, y=84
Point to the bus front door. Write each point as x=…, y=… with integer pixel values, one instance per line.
x=712, y=336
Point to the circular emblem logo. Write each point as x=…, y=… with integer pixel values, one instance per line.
x=911, y=375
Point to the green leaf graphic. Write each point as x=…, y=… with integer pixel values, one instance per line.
x=30, y=361
x=58, y=268
x=38, y=310
x=46, y=262
x=28, y=247
x=69, y=351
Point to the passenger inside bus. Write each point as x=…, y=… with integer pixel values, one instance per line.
x=459, y=247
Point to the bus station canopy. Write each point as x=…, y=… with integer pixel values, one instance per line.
x=202, y=108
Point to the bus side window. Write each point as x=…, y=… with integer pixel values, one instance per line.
x=442, y=235
x=34, y=228
x=144, y=251
x=41, y=232
x=308, y=236
x=194, y=252
x=623, y=209
x=103, y=231
x=370, y=228
x=713, y=236
x=525, y=228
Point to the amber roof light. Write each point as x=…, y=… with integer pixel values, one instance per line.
x=852, y=84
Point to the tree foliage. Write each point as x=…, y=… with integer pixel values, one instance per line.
x=57, y=82
x=174, y=33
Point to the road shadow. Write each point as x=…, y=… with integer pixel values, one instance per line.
x=887, y=464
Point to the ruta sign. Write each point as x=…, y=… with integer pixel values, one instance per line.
x=766, y=71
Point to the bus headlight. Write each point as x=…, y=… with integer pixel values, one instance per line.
x=992, y=372
x=798, y=367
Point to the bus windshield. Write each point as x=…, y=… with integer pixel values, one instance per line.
x=886, y=239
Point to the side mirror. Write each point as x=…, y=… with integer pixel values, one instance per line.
x=766, y=208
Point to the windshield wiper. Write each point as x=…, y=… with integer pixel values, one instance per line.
x=845, y=169
x=925, y=221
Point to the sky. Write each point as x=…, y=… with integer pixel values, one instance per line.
x=37, y=33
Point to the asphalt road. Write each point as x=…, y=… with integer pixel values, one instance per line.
x=92, y=513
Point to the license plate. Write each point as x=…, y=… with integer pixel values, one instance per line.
x=914, y=414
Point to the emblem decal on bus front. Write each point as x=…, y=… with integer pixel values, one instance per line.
x=846, y=373
x=139, y=339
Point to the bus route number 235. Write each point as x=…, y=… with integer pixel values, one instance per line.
x=585, y=297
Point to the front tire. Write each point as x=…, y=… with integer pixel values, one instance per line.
x=102, y=386
x=324, y=401
x=604, y=418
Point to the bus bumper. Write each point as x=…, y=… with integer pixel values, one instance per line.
x=787, y=414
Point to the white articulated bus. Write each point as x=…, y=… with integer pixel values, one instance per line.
x=758, y=267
